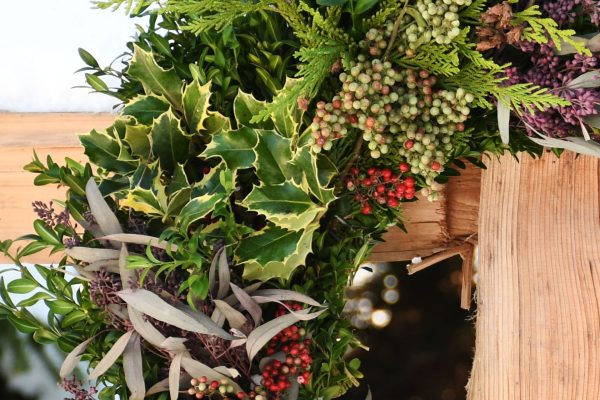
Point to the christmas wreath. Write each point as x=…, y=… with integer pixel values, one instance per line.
x=262, y=148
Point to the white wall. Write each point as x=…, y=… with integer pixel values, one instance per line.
x=38, y=53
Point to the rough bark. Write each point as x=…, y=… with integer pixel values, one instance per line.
x=538, y=307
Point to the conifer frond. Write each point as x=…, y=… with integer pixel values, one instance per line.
x=131, y=6
x=473, y=12
x=326, y=27
x=539, y=29
x=388, y=10
x=437, y=59
x=484, y=84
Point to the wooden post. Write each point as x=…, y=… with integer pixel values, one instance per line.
x=538, y=307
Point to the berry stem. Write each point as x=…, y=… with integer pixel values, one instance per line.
x=355, y=154
x=395, y=31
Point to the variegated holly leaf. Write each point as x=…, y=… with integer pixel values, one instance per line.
x=314, y=173
x=245, y=106
x=170, y=144
x=236, y=148
x=155, y=79
x=144, y=108
x=211, y=182
x=196, y=99
x=104, y=150
x=274, y=252
x=286, y=205
x=198, y=208
x=287, y=119
x=138, y=139
x=273, y=155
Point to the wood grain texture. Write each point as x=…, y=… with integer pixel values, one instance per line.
x=538, y=318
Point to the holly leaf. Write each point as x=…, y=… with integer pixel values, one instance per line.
x=198, y=208
x=287, y=119
x=195, y=105
x=275, y=252
x=236, y=148
x=138, y=139
x=103, y=151
x=145, y=201
x=313, y=177
x=245, y=107
x=169, y=142
x=153, y=78
x=144, y=108
x=286, y=205
x=273, y=155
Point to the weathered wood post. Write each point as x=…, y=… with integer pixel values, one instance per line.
x=538, y=293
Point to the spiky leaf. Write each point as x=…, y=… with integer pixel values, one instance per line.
x=195, y=105
x=236, y=148
x=144, y=108
x=169, y=142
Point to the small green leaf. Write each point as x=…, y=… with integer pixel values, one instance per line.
x=60, y=307
x=96, y=83
x=362, y=6
x=72, y=318
x=34, y=299
x=155, y=79
x=144, y=108
x=46, y=233
x=32, y=248
x=331, y=2
x=22, y=285
x=44, y=336
x=23, y=324
x=236, y=148
x=88, y=58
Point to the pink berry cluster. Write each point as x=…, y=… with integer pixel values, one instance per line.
x=277, y=376
x=380, y=186
x=202, y=388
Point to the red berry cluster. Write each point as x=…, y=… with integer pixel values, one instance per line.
x=380, y=186
x=292, y=341
x=203, y=389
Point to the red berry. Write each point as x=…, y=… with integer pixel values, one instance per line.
x=409, y=144
x=203, y=379
x=366, y=210
x=409, y=196
x=393, y=202
x=409, y=182
x=380, y=188
x=205, y=170
x=353, y=119
x=214, y=384
x=370, y=122
x=354, y=171
x=371, y=171
x=241, y=395
x=436, y=166
x=336, y=104
x=404, y=167
x=386, y=174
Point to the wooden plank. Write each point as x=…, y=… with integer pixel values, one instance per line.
x=538, y=318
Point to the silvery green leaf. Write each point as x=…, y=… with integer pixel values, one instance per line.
x=235, y=318
x=298, y=314
x=145, y=328
x=111, y=266
x=119, y=311
x=578, y=145
x=584, y=131
x=233, y=301
x=140, y=239
x=91, y=255
x=229, y=372
x=247, y=303
x=174, y=375
x=589, y=79
x=262, y=334
x=220, y=264
x=127, y=275
x=287, y=295
x=73, y=358
x=196, y=368
x=104, y=216
x=504, y=121
x=132, y=367
x=150, y=304
x=212, y=272
x=111, y=357
x=174, y=344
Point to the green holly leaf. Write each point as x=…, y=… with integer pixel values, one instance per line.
x=274, y=252
x=198, y=208
x=215, y=123
x=179, y=180
x=138, y=139
x=273, y=155
x=169, y=142
x=103, y=151
x=195, y=105
x=286, y=205
x=312, y=177
x=245, y=106
x=236, y=148
x=144, y=108
x=145, y=201
x=155, y=79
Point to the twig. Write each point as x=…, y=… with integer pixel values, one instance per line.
x=355, y=154
x=395, y=31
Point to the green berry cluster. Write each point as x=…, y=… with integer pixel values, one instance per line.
x=441, y=17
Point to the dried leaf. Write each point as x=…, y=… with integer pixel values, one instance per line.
x=127, y=275
x=174, y=344
x=140, y=239
x=111, y=266
x=132, y=367
x=504, y=121
x=104, y=216
x=145, y=328
x=287, y=295
x=235, y=318
x=150, y=304
x=229, y=372
x=247, y=303
x=212, y=272
x=589, y=79
x=219, y=262
x=91, y=255
x=174, y=375
x=111, y=357
x=163, y=385
x=261, y=335
x=233, y=301
x=73, y=358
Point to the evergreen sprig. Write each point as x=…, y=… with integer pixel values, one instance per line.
x=540, y=30
x=131, y=6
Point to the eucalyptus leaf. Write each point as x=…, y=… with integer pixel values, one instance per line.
x=504, y=121
x=91, y=255
x=133, y=369
x=145, y=328
x=175, y=375
x=235, y=318
x=141, y=239
x=104, y=216
x=111, y=356
x=287, y=295
x=73, y=358
x=247, y=303
x=590, y=79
